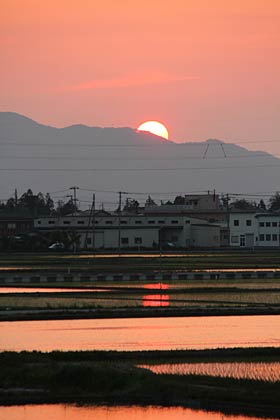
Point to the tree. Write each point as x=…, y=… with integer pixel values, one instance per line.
x=243, y=205
x=131, y=205
x=150, y=202
x=179, y=200
x=262, y=205
x=274, y=202
x=30, y=203
x=66, y=208
x=49, y=203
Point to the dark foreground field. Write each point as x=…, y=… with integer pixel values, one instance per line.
x=141, y=262
x=114, y=378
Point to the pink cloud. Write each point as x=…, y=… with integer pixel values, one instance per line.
x=130, y=81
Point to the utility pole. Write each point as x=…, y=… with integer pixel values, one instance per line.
x=93, y=223
x=228, y=228
x=227, y=201
x=91, y=219
x=119, y=221
x=16, y=197
x=75, y=196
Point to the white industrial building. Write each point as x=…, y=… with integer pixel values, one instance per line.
x=196, y=221
x=104, y=230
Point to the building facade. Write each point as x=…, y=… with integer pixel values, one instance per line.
x=103, y=230
x=251, y=230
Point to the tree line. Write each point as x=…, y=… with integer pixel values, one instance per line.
x=37, y=205
x=43, y=205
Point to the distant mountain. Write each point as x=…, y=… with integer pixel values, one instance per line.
x=50, y=159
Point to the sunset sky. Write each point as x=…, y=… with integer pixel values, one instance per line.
x=207, y=69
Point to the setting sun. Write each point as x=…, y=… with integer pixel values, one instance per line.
x=154, y=127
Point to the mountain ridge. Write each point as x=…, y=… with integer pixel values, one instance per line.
x=44, y=158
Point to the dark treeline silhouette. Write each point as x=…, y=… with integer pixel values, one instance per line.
x=40, y=204
x=36, y=205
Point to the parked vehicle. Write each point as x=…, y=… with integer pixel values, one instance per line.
x=57, y=246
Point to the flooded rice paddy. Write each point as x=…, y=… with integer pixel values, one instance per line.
x=142, y=333
x=122, y=294
x=63, y=412
x=268, y=372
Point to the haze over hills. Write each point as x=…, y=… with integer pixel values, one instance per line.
x=51, y=159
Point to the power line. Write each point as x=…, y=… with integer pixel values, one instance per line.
x=193, y=168
x=85, y=158
x=160, y=143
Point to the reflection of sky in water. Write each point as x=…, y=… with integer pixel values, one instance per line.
x=243, y=370
x=142, y=333
x=62, y=412
x=158, y=286
x=48, y=290
x=155, y=300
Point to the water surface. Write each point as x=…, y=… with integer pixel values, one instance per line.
x=63, y=412
x=269, y=372
x=142, y=333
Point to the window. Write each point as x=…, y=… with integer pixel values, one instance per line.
x=268, y=237
x=124, y=241
x=95, y=222
x=123, y=222
x=11, y=225
x=261, y=238
x=81, y=222
x=234, y=239
x=242, y=240
x=211, y=220
x=274, y=224
x=187, y=222
x=236, y=222
x=174, y=222
x=138, y=241
x=138, y=222
x=267, y=224
x=248, y=222
x=151, y=222
x=109, y=222
x=161, y=222
x=89, y=241
x=261, y=224
x=66, y=222
x=51, y=222
x=274, y=237
x=38, y=222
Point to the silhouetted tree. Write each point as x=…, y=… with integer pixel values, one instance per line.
x=131, y=206
x=179, y=200
x=243, y=205
x=274, y=202
x=150, y=202
x=66, y=208
x=262, y=205
x=30, y=203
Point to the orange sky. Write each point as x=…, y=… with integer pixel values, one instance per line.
x=205, y=68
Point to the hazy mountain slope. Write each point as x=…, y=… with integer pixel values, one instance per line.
x=50, y=159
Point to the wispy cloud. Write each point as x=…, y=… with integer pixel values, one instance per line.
x=130, y=81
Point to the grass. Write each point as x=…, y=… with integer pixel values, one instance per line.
x=112, y=377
